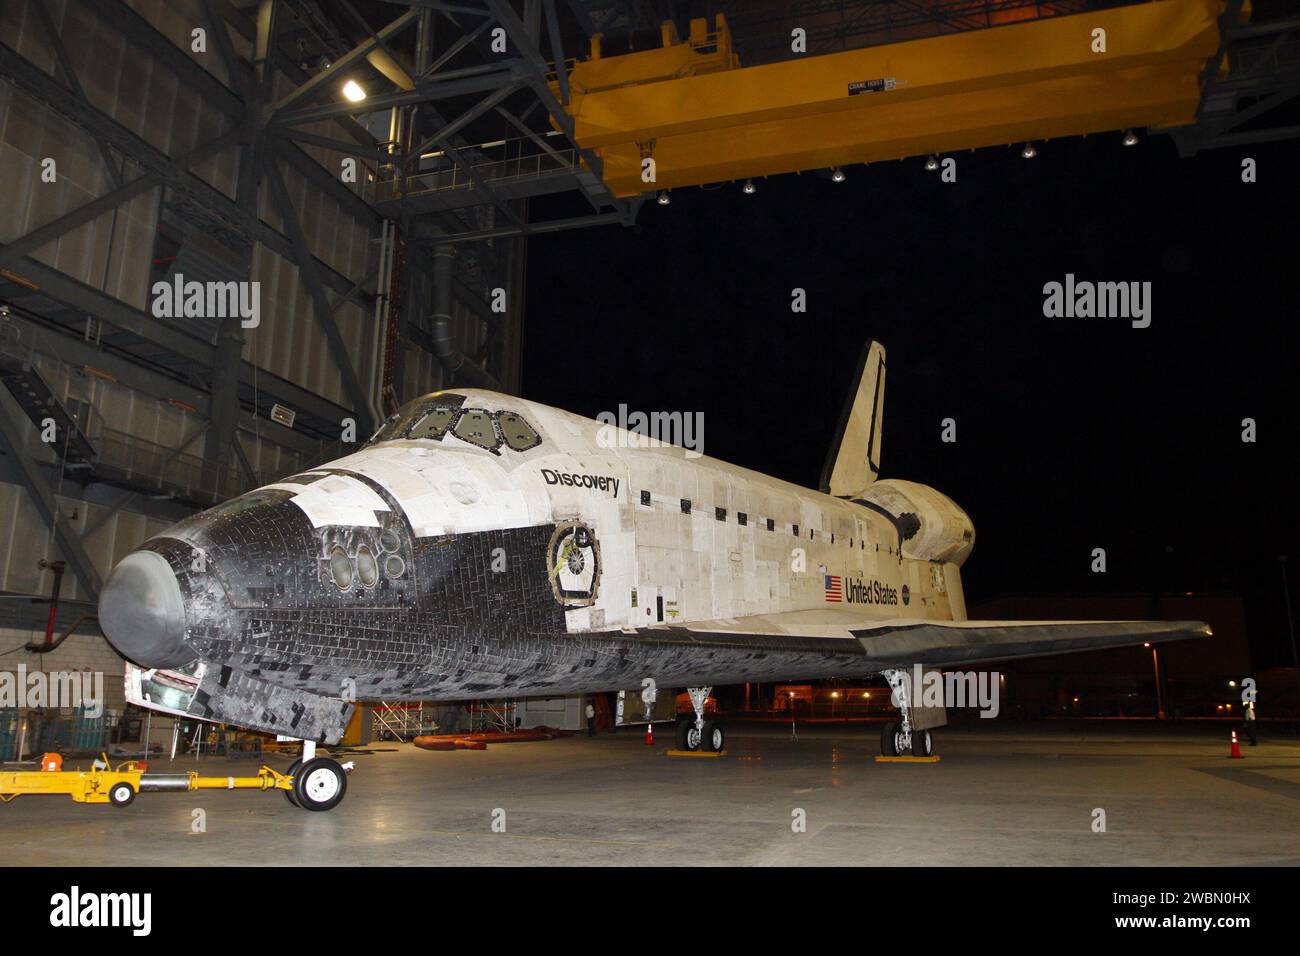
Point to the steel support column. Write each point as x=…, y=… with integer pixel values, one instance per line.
x=343, y=64
x=320, y=303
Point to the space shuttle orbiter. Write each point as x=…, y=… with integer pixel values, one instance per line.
x=483, y=546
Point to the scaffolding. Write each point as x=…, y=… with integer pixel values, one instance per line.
x=492, y=716
x=403, y=722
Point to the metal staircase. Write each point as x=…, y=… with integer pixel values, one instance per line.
x=69, y=439
x=90, y=450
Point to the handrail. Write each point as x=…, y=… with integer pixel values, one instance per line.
x=453, y=177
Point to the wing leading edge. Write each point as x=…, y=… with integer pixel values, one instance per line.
x=904, y=641
x=965, y=642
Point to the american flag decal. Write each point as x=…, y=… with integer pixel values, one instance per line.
x=834, y=589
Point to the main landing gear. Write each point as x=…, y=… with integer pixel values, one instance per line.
x=319, y=783
x=697, y=733
x=898, y=736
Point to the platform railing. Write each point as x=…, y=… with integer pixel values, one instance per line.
x=509, y=168
x=24, y=345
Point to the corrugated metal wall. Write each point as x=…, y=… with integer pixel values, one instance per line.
x=114, y=254
x=125, y=82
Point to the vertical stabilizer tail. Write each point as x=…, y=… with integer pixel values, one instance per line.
x=854, y=459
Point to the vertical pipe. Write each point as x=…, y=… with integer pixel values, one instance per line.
x=386, y=319
x=381, y=299
x=442, y=335
x=444, y=345
x=57, y=568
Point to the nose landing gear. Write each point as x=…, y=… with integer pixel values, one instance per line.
x=319, y=783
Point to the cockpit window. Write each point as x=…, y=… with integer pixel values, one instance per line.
x=397, y=423
x=435, y=424
x=400, y=423
x=431, y=418
x=475, y=426
x=519, y=435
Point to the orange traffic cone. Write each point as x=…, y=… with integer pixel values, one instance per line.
x=1236, y=748
x=649, y=735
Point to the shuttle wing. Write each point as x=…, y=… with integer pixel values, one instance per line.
x=904, y=641
x=947, y=643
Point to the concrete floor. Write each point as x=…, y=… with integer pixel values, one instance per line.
x=1002, y=795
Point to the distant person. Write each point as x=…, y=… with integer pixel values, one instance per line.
x=591, y=720
x=1250, y=723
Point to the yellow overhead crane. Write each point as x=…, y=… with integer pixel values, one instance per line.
x=703, y=118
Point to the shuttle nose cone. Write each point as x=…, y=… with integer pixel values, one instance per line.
x=142, y=613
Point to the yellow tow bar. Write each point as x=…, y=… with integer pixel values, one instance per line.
x=120, y=785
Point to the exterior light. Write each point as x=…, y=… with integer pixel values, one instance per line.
x=1028, y=152
x=1146, y=643
x=353, y=91
x=1232, y=683
x=1130, y=138
x=837, y=175
x=932, y=163
x=664, y=198
x=749, y=188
